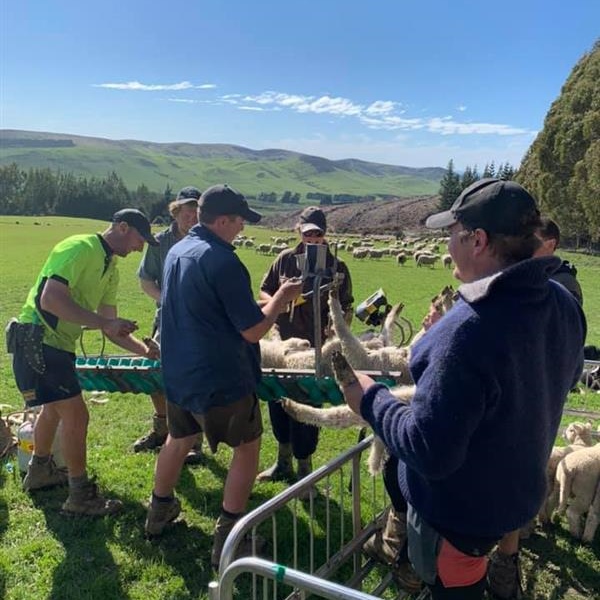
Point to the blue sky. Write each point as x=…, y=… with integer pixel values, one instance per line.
x=408, y=82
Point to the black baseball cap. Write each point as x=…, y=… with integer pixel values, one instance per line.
x=187, y=194
x=224, y=200
x=495, y=205
x=138, y=220
x=313, y=218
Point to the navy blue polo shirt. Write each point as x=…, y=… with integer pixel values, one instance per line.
x=206, y=302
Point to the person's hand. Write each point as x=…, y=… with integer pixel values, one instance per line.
x=119, y=327
x=433, y=316
x=352, y=384
x=353, y=392
x=153, y=352
x=291, y=289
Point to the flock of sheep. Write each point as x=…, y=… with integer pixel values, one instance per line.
x=424, y=251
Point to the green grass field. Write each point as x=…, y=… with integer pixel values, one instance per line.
x=43, y=555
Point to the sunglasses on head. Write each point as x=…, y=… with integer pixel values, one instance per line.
x=313, y=233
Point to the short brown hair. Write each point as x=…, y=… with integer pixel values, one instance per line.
x=549, y=230
x=175, y=206
x=511, y=249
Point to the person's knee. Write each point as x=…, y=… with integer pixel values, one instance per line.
x=73, y=414
x=180, y=445
x=248, y=451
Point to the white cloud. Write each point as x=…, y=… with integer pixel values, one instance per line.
x=379, y=114
x=307, y=104
x=380, y=107
x=447, y=126
x=182, y=100
x=254, y=108
x=392, y=123
x=160, y=87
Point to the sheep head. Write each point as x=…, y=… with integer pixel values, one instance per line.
x=579, y=433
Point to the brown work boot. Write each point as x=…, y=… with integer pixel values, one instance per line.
x=385, y=544
x=282, y=470
x=155, y=438
x=86, y=501
x=160, y=514
x=44, y=474
x=406, y=577
x=249, y=546
x=504, y=576
x=195, y=456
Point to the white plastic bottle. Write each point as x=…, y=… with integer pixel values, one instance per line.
x=25, y=443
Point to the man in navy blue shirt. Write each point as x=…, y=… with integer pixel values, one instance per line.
x=210, y=328
x=470, y=466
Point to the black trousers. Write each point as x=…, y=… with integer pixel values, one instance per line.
x=302, y=437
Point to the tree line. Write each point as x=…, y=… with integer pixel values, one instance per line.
x=41, y=191
x=452, y=184
x=47, y=192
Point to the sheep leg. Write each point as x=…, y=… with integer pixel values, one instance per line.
x=336, y=417
x=351, y=346
x=574, y=518
x=342, y=371
x=591, y=524
x=377, y=456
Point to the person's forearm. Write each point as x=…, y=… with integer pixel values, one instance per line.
x=271, y=311
x=151, y=289
x=263, y=298
x=65, y=308
x=129, y=343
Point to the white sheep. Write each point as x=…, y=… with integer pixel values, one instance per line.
x=274, y=351
x=593, y=518
x=342, y=417
x=575, y=484
x=426, y=259
x=579, y=435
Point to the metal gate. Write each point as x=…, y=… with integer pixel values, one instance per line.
x=315, y=544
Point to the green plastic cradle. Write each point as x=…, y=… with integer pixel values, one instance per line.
x=135, y=375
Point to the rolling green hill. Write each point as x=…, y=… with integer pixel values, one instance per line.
x=178, y=164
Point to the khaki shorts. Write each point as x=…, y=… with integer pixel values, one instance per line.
x=234, y=424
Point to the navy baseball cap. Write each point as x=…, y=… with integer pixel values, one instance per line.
x=224, y=200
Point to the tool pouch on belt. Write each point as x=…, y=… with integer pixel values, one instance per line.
x=26, y=338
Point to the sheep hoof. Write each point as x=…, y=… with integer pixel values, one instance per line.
x=342, y=371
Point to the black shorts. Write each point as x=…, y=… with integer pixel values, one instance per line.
x=58, y=382
x=234, y=424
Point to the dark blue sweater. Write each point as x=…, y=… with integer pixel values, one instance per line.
x=492, y=377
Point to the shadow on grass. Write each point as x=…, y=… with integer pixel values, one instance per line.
x=552, y=556
x=88, y=569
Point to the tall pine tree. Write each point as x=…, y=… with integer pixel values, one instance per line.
x=450, y=187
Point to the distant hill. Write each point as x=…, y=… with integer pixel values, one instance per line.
x=177, y=164
x=406, y=215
